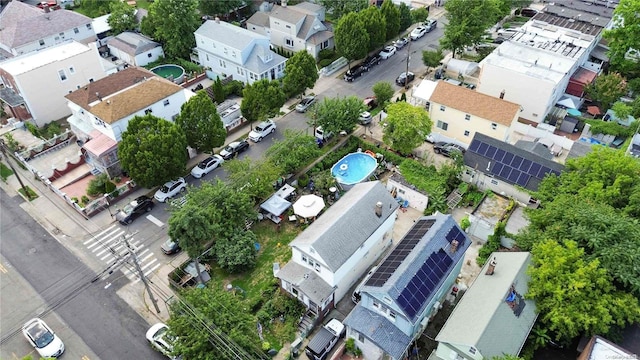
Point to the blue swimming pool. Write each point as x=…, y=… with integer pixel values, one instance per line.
x=354, y=168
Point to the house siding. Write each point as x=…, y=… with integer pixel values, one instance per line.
x=84, y=36
x=487, y=182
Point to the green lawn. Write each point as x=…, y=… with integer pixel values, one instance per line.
x=5, y=172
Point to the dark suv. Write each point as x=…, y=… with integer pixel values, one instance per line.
x=134, y=209
x=371, y=61
x=354, y=73
x=447, y=149
x=234, y=148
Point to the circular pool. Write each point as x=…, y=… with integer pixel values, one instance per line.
x=354, y=168
x=171, y=72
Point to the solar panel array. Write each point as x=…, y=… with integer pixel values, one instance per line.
x=424, y=283
x=509, y=166
x=400, y=252
x=456, y=234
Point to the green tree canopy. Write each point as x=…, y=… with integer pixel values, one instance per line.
x=407, y=126
x=375, y=26
x=237, y=253
x=293, y=152
x=337, y=114
x=153, y=150
x=192, y=229
x=432, y=58
x=468, y=21
x=384, y=92
x=122, y=17
x=623, y=37
x=200, y=122
x=575, y=296
x=95, y=8
x=253, y=177
x=391, y=15
x=343, y=7
x=300, y=74
x=262, y=99
x=607, y=89
x=419, y=15
x=351, y=38
x=405, y=17
x=173, y=22
x=219, y=8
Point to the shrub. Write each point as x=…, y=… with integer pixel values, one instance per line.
x=33, y=129
x=303, y=180
x=85, y=199
x=74, y=199
x=465, y=223
x=234, y=87
x=100, y=185
x=327, y=54
x=50, y=130
x=324, y=62
x=492, y=245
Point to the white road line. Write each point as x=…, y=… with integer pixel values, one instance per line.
x=143, y=259
x=154, y=220
x=114, y=235
x=149, y=263
x=98, y=235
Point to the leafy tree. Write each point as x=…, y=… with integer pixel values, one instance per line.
x=100, y=185
x=122, y=17
x=432, y=58
x=375, y=26
x=338, y=114
x=407, y=126
x=352, y=40
x=391, y=15
x=95, y=8
x=343, y=7
x=300, y=73
x=622, y=110
x=174, y=23
x=219, y=8
x=574, y=295
x=468, y=21
x=237, y=253
x=153, y=150
x=148, y=24
x=624, y=36
x=293, y=152
x=607, y=89
x=253, y=177
x=419, y=15
x=384, y=92
x=507, y=357
x=200, y=122
x=191, y=227
x=635, y=108
x=262, y=99
x=405, y=17
x=218, y=91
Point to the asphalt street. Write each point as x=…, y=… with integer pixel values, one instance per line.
x=72, y=297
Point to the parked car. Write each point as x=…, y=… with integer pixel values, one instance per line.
x=418, y=32
x=371, y=61
x=262, y=130
x=159, y=338
x=206, y=166
x=400, y=43
x=509, y=32
x=430, y=25
x=170, y=247
x=305, y=103
x=354, y=73
x=499, y=40
x=132, y=210
x=42, y=338
x=447, y=149
x=324, y=340
x=233, y=149
x=405, y=78
x=387, y=52
x=365, y=118
x=528, y=12
x=370, y=102
x=170, y=189
x=50, y=4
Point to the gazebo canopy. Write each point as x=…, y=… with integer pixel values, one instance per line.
x=275, y=205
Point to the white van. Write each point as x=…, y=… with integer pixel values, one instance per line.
x=355, y=297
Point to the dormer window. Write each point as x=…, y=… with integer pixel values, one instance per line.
x=41, y=42
x=75, y=30
x=467, y=117
x=88, y=26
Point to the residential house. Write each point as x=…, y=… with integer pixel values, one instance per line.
x=599, y=348
x=26, y=28
x=493, y=318
x=459, y=113
x=407, y=288
x=101, y=111
x=134, y=49
x=294, y=28
x=331, y=254
x=230, y=50
x=36, y=82
x=404, y=191
x=505, y=169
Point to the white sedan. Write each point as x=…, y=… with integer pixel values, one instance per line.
x=161, y=341
x=206, y=166
x=170, y=189
x=418, y=32
x=42, y=338
x=387, y=52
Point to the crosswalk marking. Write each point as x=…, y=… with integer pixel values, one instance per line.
x=155, y=220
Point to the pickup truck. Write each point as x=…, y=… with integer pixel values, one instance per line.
x=323, y=342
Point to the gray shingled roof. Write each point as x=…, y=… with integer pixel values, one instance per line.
x=535, y=148
x=228, y=34
x=254, y=61
x=306, y=280
x=22, y=23
x=290, y=15
x=132, y=43
x=483, y=319
x=346, y=225
x=260, y=19
x=308, y=7
x=379, y=331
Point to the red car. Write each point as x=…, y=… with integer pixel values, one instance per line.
x=51, y=4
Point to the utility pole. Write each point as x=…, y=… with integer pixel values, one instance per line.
x=406, y=74
x=132, y=251
x=3, y=148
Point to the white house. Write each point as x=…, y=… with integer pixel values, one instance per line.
x=36, y=82
x=294, y=28
x=407, y=288
x=335, y=250
x=493, y=318
x=101, y=111
x=230, y=50
x=134, y=49
x=26, y=28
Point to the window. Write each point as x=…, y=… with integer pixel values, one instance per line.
x=494, y=126
x=494, y=182
x=311, y=262
x=233, y=54
x=166, y=102
x=534, y=115
x=41, y=42
x=75, y=30
x=472, y=350
x=467, y=117
x=72, y=70
x=442, y=108
x=304, y=258
x=289, y=42
x=401, y=191
x=56, y=38
x=61, y=35
x=91, y=80
x=223, y=64
x=62, y=75
x=376, y=304
x=466, y=133
x=149, y=55
x=207, y=57
x=392, y=315
x=360, y=338
x=317, y=267
x=148, y=111
x=88, y=26
x=240, y=71
x=442, y=125
x=288, y=26
x=387, y=299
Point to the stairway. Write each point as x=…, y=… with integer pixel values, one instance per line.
x=306, y=323
x=454, y=199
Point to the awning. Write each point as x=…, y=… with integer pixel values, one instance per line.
x=567, y=102
x=574, y=112
x=99, y=144
x=275, y=205
x=11, y=97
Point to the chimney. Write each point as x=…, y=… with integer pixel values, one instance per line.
x=454, y=246
x=217, y=20
x=502, y=94
x=284, y=3
x=492, y=266
x=98, y=96
x=379, y=209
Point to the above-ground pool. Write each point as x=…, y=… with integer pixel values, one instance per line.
x=172, y=72
x=354, y=168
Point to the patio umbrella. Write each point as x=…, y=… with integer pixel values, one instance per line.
x=308, y=206
x=574, y=112
x=593, y=110
x=568, y=103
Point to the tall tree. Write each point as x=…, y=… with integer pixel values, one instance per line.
x=384, y=92
x=192, y=229
x=352, y=40
x=407, y=126
x=391, y=15
x=405, y=17
x=237, y=253
x=300, y=74
x=122, y=17
x=95, y=8
x=219, y=8
x=338, y=114
x=153, y=150
x=607, y=89
x=218, y=91
x=419, y=15
x=468, y=21
x=200, y=122
x=262, y=99
x=375, y=26
x=175, y=22
x=432, y=58
x=574, y=296
x=624, y=38
x=253, y=177
x=343, y=7
x=293, y=152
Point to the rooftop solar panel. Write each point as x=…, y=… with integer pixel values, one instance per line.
x=474, y=146
x=515, y=174
x=491, y=151
x=505, y=172
x=499, y=155
x=543, y=172
x=508, y=157
x=533, y=171
x=523, y=179
x=482, y=150
x=526, y=164
x=517, y=160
